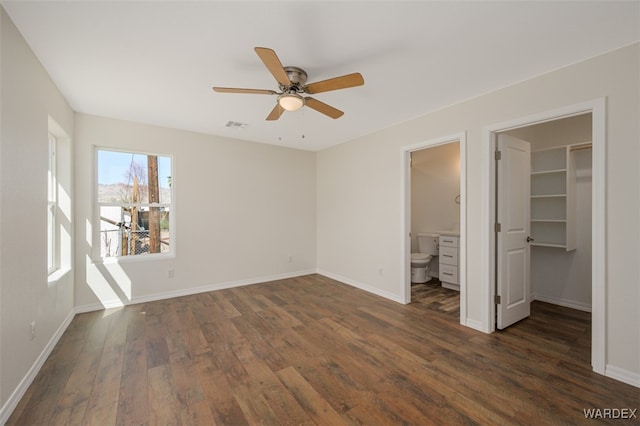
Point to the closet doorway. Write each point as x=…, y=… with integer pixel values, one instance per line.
x=561, y=193
x=595, y=111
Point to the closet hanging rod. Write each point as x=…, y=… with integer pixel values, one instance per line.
x=581, y=146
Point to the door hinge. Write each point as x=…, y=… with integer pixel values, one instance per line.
x=497, y=299
x=498, y=155
x=498, y=227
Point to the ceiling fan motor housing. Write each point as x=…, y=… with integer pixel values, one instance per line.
x=298, y=78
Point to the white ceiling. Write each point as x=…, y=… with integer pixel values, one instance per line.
x=156, y=61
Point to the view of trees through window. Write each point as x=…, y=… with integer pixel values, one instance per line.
x=134, y=203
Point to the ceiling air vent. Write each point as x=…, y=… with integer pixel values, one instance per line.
x=236, y=125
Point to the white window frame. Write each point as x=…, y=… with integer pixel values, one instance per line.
x=97, y=235
x=53, y=254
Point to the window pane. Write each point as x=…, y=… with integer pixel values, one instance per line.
x=124, y=177
x=51, y=221
x=129, y=230
x=135, y=183
x=51, y=175
x=164, y=179
x=51, y=206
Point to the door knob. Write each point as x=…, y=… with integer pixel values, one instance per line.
x=529, y=239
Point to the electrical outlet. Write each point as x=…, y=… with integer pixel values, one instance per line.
x=33, y=329
x=170, y=273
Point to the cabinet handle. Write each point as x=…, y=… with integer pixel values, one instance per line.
x=446, y=273
x=446, y=255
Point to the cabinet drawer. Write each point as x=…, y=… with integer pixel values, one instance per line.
x=449, y=274
x=448, y=255
x=448, y=241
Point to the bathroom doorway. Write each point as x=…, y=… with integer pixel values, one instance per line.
x=434, y=206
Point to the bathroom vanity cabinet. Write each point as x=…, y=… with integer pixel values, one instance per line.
x=449, y=266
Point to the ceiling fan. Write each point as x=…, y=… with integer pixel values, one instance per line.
x=291, y=81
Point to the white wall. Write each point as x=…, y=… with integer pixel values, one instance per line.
x=435, y=184
x=360, y=216
x=566, y=131
x=241, y=209
x=28, y=98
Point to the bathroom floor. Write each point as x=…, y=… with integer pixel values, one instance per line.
x=437, y=298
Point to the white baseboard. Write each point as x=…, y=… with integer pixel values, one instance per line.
x=24, y=384
x=117, y=303
x=476, y=325
x=361, y=286
x=563, y=302
x=622, y=375
x=108, y=304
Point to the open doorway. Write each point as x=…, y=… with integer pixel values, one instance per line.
x=560, y=210
x=435, y=210
x=435, y=228
x=596, y=111
x=543, y=215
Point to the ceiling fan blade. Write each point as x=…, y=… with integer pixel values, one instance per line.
x=249, y=91
x=327, y=110
x=343, y=82
x=273, y=64
x=275, y=113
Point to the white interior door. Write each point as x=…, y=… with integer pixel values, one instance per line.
x=513, y=211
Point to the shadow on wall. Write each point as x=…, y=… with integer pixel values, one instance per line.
x=108, y=281
x=111, y=285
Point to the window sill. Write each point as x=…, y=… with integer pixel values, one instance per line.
x=133, y=259
x=57, y=275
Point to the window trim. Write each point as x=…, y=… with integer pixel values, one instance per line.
x=96, y=234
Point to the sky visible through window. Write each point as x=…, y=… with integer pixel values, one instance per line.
x=114, y=167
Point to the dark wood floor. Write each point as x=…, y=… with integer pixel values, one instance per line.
x=310, y=350
x=436, y=298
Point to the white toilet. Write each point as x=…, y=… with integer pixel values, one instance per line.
x=421, y=262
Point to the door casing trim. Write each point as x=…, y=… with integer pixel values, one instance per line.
x=461, y=138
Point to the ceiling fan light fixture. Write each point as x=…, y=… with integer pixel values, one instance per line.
x=292, y=83
x=291, y=101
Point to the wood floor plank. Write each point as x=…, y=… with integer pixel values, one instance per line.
x=333, y=382
x=254, y=407
x=198, y=414
x=311, y=350
x=102, y=407
x=186, y=388
x=164, y=405
x=311, y=401
x=219, y=394
x=74, y=399
x=133, y=403
x=282, y=403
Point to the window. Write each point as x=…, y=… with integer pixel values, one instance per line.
x=52, y=207
x=134, y=196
